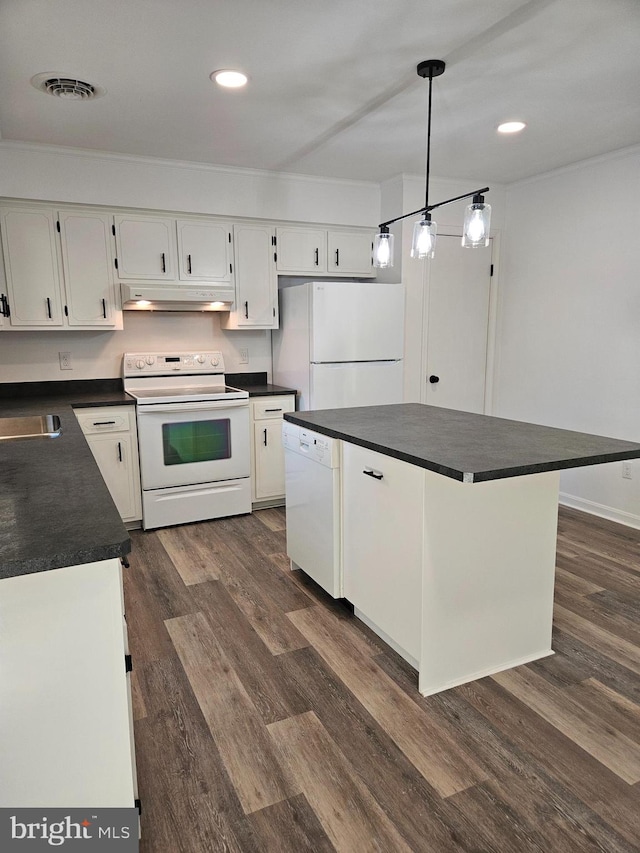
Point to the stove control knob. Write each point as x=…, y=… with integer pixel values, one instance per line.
x=200, y=359
x=150, y=359
x=140, y=364
x=215, y=361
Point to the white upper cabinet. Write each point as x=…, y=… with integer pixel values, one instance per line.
x=32, y=267
x=146, y=247
x=58, y=280
x=350, y=252
x=301, y=250
x=339, y=252
x=256, y=281
x=204, y=251
x=87, y=262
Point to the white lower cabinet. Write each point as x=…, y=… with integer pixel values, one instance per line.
x=66, y=722
x=267, y=454
x=383, y=520
x=112, y=436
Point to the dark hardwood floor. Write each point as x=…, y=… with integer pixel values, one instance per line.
x=268, y=718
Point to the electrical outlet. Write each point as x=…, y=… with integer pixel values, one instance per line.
x=244, y=355
x=65, y=361
x=626, y=470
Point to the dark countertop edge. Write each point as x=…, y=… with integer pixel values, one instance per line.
x=456, y=474
x=17, y=568
x=256, y=384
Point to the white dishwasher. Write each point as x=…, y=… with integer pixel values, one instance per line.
x=312, y=477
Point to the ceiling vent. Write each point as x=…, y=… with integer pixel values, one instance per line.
x=68, y=88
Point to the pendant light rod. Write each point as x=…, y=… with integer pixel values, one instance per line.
x=433, y=206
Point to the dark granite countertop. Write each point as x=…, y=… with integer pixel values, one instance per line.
x=256, y=384
x=467, y=447
x=55, y=509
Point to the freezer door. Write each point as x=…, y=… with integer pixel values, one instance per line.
x=369, y=383
x=356, y=321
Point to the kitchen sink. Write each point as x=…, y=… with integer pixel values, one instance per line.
x=33, y=426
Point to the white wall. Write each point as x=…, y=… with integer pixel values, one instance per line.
x=67, y=175
x=33, y=356
x=53, y=173
x=569, y=329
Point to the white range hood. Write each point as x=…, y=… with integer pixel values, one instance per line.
x=163, y=297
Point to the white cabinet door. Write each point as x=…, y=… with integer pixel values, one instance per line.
x=146, y=247
x=269, y=456
x=63, y=690
x=267, y=453
x=301, y=250
x=204, y=250
x=350, y=253
x=112, y=436
x=87, y=261
x=457, y=326
x=32, y=266
x=256, y=281
x=382, y=541
x=114, y=454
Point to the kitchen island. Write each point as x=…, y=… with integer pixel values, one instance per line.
x=66, y=738
x=449, y=531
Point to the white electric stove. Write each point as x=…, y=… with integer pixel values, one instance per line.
x=193, y=433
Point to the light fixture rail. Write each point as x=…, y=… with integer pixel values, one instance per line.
x=477, y=218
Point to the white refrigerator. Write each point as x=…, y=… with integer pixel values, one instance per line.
x=340, y=343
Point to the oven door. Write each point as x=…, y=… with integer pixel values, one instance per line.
x=182, y=444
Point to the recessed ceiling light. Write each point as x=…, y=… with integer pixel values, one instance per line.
x=511, y=127
x=229, y=79
x=66, y=87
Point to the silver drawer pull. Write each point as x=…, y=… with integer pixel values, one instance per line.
x=375, y=475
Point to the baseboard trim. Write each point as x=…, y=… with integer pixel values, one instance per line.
x=609, y=512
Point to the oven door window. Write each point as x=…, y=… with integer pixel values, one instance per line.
x=196, y=441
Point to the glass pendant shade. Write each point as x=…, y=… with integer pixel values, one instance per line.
x=477, y=220
x=424, y=239
x=383, y=250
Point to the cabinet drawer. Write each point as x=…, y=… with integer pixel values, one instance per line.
x=106, y=419
x=272, y=407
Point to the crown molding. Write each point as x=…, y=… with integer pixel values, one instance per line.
x=193, y=165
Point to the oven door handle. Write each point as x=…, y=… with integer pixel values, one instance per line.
x=177, y=408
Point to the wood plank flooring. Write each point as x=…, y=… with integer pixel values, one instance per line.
x=268, y=718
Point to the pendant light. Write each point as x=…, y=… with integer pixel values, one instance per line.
x=477, y=215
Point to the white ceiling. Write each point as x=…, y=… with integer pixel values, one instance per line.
x=333, y=89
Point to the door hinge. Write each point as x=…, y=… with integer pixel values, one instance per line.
x=115, y=261
x=113, y=230
x=128, y=663
x=491, y=270
x=58, y=225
